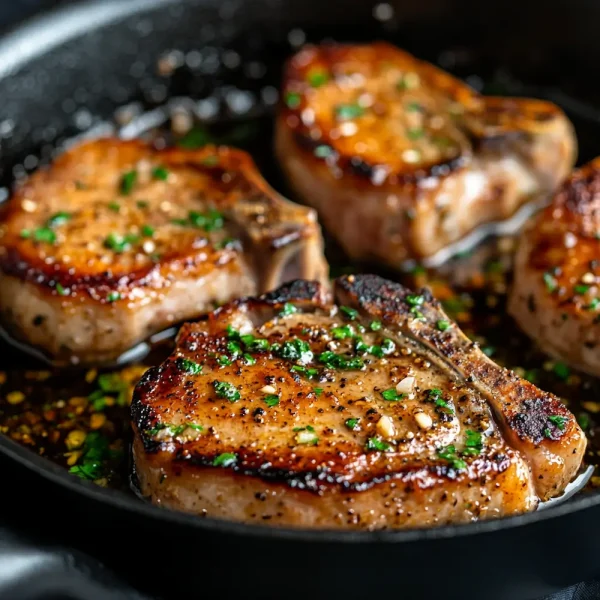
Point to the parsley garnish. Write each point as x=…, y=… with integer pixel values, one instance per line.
x=296, y=350
x=351, y=313
x=189, y=366
x=375, y=444
x=550, y=281
x=581, y=289
x=61, y=290
x=147, y=231
x=323, y=151
x=443, y=325
x=375, y=325
x=113, y=296
x=414, y=300
x=449, y=453
x=114, y=206
x=317, y=77
x=226, y=390
x=318, y=391
x=558, y=420
x=293, y=99
x=227, y=459
x=119, y=243
x=343, y=332
x=473, y=442
x=345, y=112
x=128, y=182
x=352, y=424
x=42, y=234
x=96, y=452
x=561, y=370
x=60, y=218
x=271, y=400
x=161, y=173
x=288, y=309
x=392, y=395
x=336, y=361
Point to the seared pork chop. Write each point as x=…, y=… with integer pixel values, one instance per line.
x=555, y=296
x=401, y=159
x=372, y=412
x=116, y=241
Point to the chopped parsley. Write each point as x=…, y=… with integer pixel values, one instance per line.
x=392, y=395
x=96, y=451
x=443, y=325
x=59, y=218
x=210, y=221
x=323, y=151
x=449, y=453
x=296, y=350
x=558, y=420
x=41, y=234
x=114, y=206
x=128, y=182
x=343, y=332
x=188, y=366
x=271, y=400
x=308, y=371
x=550, y=281
x=415, y=133
x=226, y=390
x=288, y=309
x=351, y=313
x=375, y=325
x=249, y=359
x=120, y=243
x=293, y=99
x=346, y=112
x=61, y=290
x=113, y=296
x=377, y=445
x=317, y=77
x=147, y=231
x=336, y=361
x=414, y=300
x=161, y=173
x=352, y=424
x=561, y=370
x=318, y=391
x=224, y=360
x=594, y=304
x=435, y=396
x=581, y=289
x=227, y=459
x=473, y=442
x=306, y=435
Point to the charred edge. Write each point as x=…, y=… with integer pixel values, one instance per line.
x=374, y=293
x=532, y=421
x=142, y=414
x=299, y=290
x=321, y=480
x=355, y=165
x=580, y=194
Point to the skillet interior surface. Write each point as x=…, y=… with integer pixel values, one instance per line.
x=66, y=73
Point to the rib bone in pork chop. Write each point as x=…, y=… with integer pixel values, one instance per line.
x=555, y=296
x=401, y=159
x=116, y=241
x=372, y=412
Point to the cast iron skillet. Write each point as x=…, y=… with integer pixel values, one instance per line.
x=62, y=72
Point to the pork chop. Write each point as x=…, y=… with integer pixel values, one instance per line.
x=372, y=412
x=117, y=240
x=555, y=297
x=401, y=159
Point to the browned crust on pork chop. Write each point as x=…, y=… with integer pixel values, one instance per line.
x=555, y=294
x=112, y=226
x=365, y=476
x=406, y=148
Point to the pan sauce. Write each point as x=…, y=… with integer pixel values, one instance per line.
x=80, y=419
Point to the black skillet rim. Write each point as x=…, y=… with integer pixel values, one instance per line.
x=50, y=29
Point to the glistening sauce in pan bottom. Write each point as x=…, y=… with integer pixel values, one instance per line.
x=80, y=419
